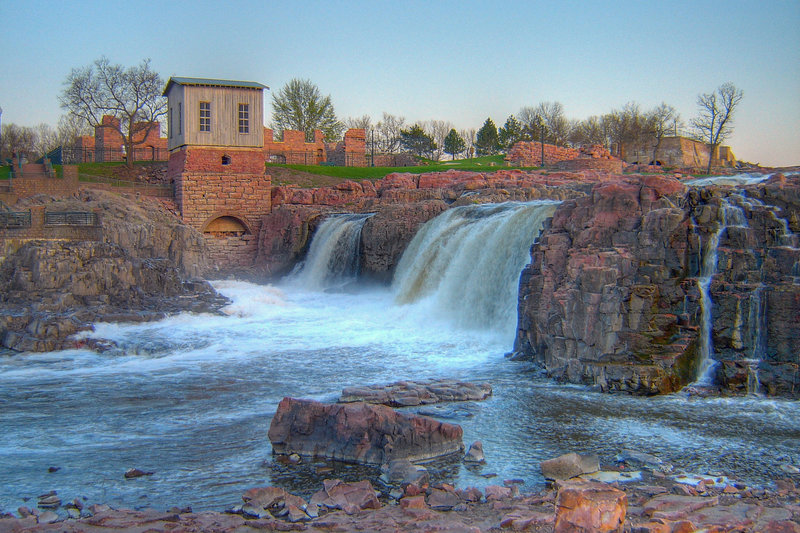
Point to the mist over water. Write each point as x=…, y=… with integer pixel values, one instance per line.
x=191, y=398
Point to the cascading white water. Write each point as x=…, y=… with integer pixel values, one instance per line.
x=465, y=263
x=757, y=324
x=333, y=256
x=729, y=216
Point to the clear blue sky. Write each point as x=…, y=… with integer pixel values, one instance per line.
x=460, y=61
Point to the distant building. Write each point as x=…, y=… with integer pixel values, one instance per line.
x=677, y=152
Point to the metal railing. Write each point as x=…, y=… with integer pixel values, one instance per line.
x=161, y=190
x=15, y=219
x=70, y=218
x=77, y=154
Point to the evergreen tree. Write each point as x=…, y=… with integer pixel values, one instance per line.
x=416, y=141
x=511, y=133
x=487, y=141
x=454, y=144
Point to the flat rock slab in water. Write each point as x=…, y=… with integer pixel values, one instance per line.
x=359, y=433
x=410, y=393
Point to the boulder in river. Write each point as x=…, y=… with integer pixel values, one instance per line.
x=359, y=433
x=569, y=465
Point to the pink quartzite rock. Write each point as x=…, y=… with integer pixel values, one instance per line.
x=569, y=465
x=359, y=432
x=590, y=507
x=339, y=495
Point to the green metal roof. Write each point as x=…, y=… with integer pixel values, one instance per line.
x=215, y=83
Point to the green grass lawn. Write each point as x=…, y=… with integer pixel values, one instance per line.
x=327, y=174
x=478, y=164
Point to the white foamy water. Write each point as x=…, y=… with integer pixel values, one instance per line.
x=745, y=178
x=464, y=265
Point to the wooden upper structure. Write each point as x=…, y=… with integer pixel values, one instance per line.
x=208, y=112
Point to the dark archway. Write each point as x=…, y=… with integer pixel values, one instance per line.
x=226, y=226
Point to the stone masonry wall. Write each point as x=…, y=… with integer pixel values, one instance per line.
x=107, y=144
x=206, y=189
x=529, y=154
x=614, y=166
x=351, y=152
x=294, y=149
x=27, y=186
x=39, y=230
x=227, y=252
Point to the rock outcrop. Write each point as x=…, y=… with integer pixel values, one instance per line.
x=612, y=296
x=653, y=505
x=143, y=270
x=401, y=203
x=359, y=433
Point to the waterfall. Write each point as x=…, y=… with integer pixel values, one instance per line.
x=757, y=325
x=333, y=256
x=465, y=263
x=730, y=215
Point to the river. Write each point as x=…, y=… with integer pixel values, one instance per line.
x=191, y=397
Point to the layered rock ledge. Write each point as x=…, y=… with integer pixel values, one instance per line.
x=145, y=268
x=612, y=295
x=411, y=393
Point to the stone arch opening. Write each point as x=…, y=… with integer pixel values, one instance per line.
x=226, y=226
x=226, y=160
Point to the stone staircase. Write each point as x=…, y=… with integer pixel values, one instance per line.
x=35, y=170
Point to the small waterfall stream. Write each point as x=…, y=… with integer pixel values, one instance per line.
x=732, y=213
x=729, y=215
x=333, y=256
x=466, y=263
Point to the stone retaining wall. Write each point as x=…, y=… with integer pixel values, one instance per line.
x=39, y=230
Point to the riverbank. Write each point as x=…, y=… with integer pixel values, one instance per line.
x=649, y=502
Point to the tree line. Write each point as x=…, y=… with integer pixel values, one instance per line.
x=133, y=95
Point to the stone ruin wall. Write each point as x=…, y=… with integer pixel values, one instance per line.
x=207, y=189
x=678, y=152
x=107, y=143
x=295, y=150
x=529, y=154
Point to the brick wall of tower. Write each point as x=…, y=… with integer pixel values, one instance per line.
x=208, y=187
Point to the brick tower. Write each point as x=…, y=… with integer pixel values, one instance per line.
x=216, y=161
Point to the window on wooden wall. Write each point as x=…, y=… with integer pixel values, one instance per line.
x=244, y=118
x=170, y=124
x=180, y=118
x=205, y=116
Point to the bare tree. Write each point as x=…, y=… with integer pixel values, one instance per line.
x=17, y=141
x=45, y=139
x=387, y=133
x=661, y=121
x=438, y=130
x=131, y=95
x=626, y=127
x=590, y=131
x=363, y=122
x=469, y=139
x=551, y=116
x=714, y=124
x=70, y=130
